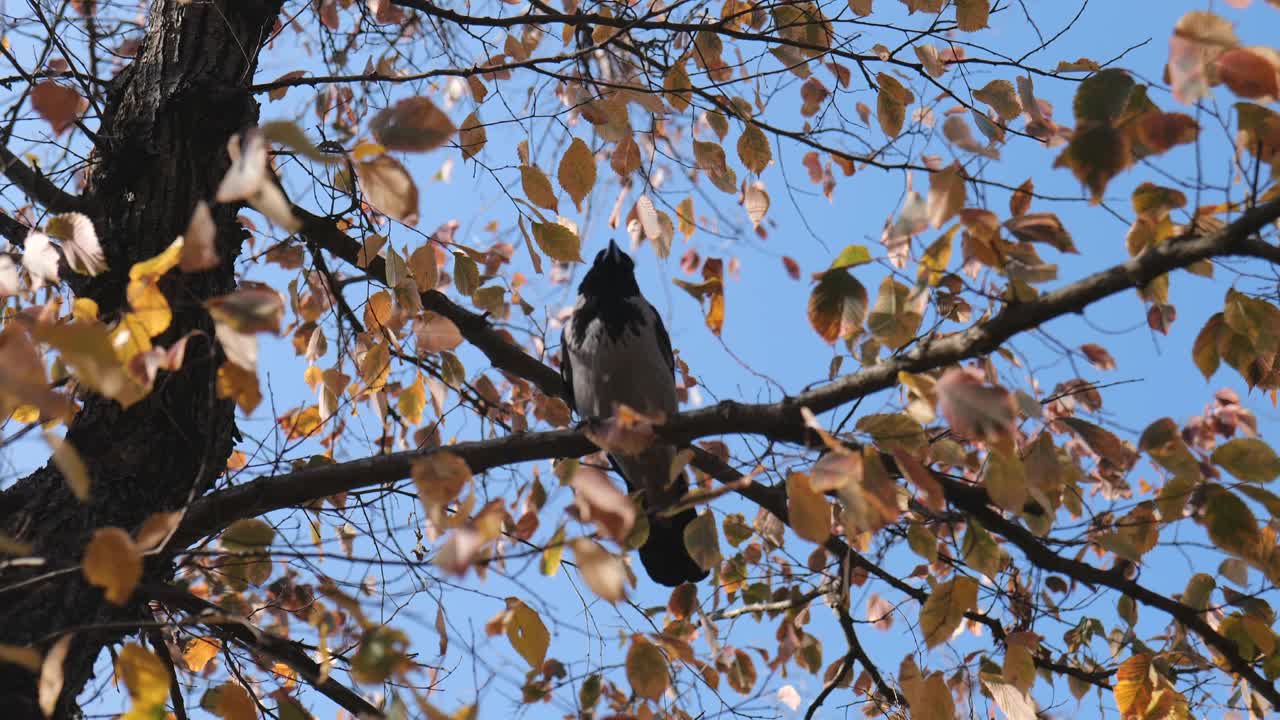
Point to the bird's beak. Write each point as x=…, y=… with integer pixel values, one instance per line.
x=614, y=253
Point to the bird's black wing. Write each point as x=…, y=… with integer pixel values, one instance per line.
x=566, y=367
x=664, y=340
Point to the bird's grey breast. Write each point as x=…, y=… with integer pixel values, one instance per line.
x=626, y=365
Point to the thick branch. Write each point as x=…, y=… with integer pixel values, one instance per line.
x=37, y=186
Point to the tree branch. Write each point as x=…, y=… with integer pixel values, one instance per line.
x=265, y=643
x=975, y=501
x=37, y=186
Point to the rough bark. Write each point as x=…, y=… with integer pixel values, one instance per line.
x=164, y=134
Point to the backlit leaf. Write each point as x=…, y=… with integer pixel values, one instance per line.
x=527, y=634
x=112, y=562
x=577, y=172
x=945, y=609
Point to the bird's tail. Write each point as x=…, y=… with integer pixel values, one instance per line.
x=664, y=554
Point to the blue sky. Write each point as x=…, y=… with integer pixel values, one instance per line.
x=767, y=343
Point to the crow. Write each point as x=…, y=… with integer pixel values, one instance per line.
x=615, y=350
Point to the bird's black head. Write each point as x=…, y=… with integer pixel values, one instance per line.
x=612, y=274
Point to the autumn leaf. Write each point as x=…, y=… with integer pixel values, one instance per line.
x=945, y=609
x=389, y=189
x=1249, y=459
x=557, y=241
x=412, y=125
x=597, y=500
x=577, y=172
x=647, y=669
x=753, y=149
x=112, y=562
x=837, y=305
x=538, y=188
x=602, y=571
x=808, y=512
x=891, y=104
x=145, y=676
x=472, y=137
x=200, y=651
x=526, y=633
x=58, y=104
x=702, y=541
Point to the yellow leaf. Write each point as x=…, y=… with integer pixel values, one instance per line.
x=1133, y=686
x=558, y=241
x=200, y=651
x=240, y=385
x=552, y=554
x=538, y=188
x=112, y=562
x=647, y=669
x=577, y=172
x=235, y=703
x=144, y=674
x=377, y=312
x=25, y=414
x=158, y=265
x=808, y=511
x=365, y=150
x=413, y=401
x=527, y=634
x=150, y=308
x=945, y=609
x=84, y=309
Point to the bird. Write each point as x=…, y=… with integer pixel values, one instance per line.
x=615, y=350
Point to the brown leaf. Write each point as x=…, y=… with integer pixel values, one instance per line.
x=51, y=675
x=577, y=173
x=58, y=104
x=389, y=189
x=976, y=410
x=472, y=137
x=199, y=250
x=754, y=150
x=412, y=125
x=599, y=501
x=1098, y=356
x=647, y=669
x=1249, y=74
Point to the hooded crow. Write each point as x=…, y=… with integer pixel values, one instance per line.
x=615, y=350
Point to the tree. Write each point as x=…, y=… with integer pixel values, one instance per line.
x=206, y=536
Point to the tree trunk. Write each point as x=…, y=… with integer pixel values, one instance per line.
x=162, y=148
